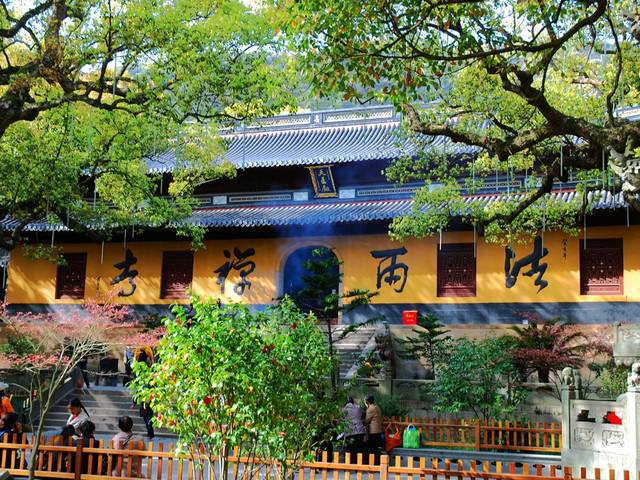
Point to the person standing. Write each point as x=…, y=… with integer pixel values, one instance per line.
x=355, y=431
x=82, y=365
x=145, y=355
x=373, y=424
x=5, y=401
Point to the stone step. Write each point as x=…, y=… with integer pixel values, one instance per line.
x=105, y=406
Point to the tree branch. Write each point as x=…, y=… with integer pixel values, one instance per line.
x=545, y=187
x=20, y=23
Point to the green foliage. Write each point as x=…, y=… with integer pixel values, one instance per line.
x=368, y=365
x=391, y=405
x=613, y=381
x=431, y=342
x=38, y=251
x=515, y=81
x=478, y=376
x=232, y=378
x=86, y=100
x=17, y=344
x=320, y=296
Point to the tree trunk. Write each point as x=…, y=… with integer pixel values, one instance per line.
x=223, y=464
x=543, y=375
x=335, y=366
x=36, y=442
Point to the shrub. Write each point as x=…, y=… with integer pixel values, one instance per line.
x=391, y=405
x=232, y=378
x=478, y=376
x=613, y=381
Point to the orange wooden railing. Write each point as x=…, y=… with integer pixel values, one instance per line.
x=496, y=435
x=157, y=462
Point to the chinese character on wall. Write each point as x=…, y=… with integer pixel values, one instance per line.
x=126, y=273
x=533, y=259
x=240, y=263
x=391, y=271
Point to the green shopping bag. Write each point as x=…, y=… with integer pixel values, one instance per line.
x=411, y=437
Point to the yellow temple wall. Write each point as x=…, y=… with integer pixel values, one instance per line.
x=34, y=281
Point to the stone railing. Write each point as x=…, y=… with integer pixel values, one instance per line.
x=601, y=433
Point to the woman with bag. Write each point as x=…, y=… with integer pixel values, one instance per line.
x=355, y=432
x=373, y=423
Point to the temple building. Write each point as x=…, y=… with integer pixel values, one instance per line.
x=316, y=179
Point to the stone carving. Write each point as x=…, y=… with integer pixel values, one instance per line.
x=611, y=438
x=626, y=345
x=567, y=376
x=628, y=334
x=583, y=436
x=633, y=380
x=577, y=379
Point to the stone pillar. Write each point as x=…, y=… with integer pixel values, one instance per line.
x=589, y=439
x=632, y=420
x=567, y=393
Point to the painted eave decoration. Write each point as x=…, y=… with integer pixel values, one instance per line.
x=330, y=211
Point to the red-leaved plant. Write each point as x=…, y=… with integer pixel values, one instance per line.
x=47, y=347
x=548, y=346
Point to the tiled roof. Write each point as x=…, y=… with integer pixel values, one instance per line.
x=334, y=136
x=319, y=138
x=313, y=213
x=329, y=211
x=353, y=211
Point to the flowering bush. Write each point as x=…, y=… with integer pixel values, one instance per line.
x=232, y=378
x=46, y=348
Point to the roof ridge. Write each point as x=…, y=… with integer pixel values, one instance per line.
x=323, y=203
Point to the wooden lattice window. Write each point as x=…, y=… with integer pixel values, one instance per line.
x=70, y=277
x=601, y=268
x=177, y=274
x=456, y=270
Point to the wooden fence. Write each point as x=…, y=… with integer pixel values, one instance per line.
x=511, y=436
x=156, y=462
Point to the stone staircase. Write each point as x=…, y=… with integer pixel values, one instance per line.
x=105, y=405
x=349, y=348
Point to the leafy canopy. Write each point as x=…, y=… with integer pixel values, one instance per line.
x=90, y=89
x=514, y=80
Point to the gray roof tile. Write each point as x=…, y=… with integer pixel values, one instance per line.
x=316, y=145
x=330, y=211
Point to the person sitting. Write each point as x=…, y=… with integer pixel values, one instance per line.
x=9, y=425
x=126, y=439
x=77, y=414
x=87, y=429
x=10, y=432
x=62, y=461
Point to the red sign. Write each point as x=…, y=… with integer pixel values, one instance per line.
x=409, y=317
